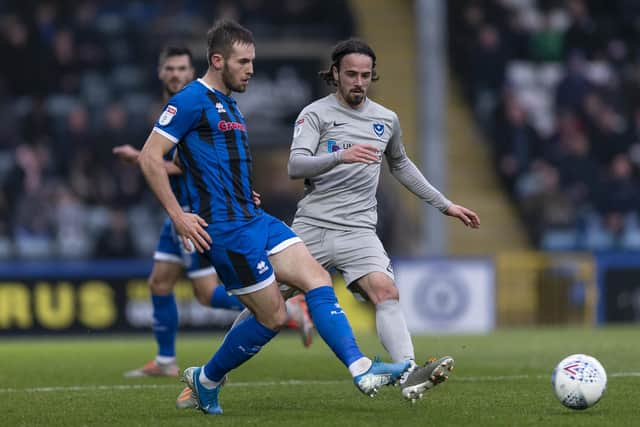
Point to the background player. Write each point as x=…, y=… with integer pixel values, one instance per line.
x=175, y=70
x=337, y=147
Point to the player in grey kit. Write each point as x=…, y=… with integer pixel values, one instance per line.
x=337, y=147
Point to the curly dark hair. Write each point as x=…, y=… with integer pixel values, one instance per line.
x=345, y=47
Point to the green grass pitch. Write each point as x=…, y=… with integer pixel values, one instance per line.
x=501, y=379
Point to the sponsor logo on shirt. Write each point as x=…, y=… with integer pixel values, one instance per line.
x=333, y=146
x=224, y=126
x=167, y=115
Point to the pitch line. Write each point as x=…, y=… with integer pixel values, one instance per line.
x=176, y=386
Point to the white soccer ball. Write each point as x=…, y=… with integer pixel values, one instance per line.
x=579, y=381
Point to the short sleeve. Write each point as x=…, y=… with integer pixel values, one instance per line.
x=178, y=117
x=306, y=132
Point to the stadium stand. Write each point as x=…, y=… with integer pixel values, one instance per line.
x=554, y=85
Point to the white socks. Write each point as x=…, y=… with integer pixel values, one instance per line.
x=165, y=360
x=205, y=381
x=360, y=366
x=393, y=332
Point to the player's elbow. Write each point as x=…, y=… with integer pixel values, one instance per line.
x=146, y=159
x=293, y=172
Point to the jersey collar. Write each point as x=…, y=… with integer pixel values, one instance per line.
x=217, y=92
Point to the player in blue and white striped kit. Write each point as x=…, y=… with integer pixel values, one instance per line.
x=175, y=70
x=249, y=248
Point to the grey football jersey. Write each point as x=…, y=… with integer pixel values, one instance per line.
x=345, y=196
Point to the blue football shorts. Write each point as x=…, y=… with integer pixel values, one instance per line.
x=241, y=255
x=171, y=249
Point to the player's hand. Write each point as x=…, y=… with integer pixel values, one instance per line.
x=467, y=216
x=361, y=153
x=256, y=198
x=191, y=229
x=127, y=153
x=177, y=162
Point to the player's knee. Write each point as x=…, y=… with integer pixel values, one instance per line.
x=318, y=276
x=312, y=276
x=276, y=320
x=159, y=285
x=386, y=292
x=203, y=296
x=323, y=277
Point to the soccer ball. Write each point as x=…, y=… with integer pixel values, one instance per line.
x=579, y=381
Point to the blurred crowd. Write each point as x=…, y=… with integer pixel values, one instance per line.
x=79, y=77
x=555, y=85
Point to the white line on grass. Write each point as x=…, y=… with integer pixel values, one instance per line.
x=269, y=383
x=160, y=386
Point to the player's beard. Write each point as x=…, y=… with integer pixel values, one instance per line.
x=354, y=99
x=227, y=80
x=172, y=88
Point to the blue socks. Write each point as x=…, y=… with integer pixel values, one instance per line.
x=242, y=342
x=221, y=299
x=247, y=337
x=165, y=317
x=165, y=323
x=332, y=324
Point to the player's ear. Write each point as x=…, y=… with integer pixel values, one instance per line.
x=334, y=72
x=217, y=61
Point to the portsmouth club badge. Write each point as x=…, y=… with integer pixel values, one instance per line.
x=378, y=128
x=167, y=115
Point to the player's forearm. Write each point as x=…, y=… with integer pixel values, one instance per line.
x=169, y=166
x=155, y=172
x=410, y=176
x=302, y=164
x=132, y=155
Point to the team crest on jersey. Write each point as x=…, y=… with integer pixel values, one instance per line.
x=167, y=115
x=220, y=107
x=378, y=128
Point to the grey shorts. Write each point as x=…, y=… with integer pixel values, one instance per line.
x=354, y=253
